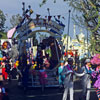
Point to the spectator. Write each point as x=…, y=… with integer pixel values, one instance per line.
x=61, y=77
x=42, y=77
x=4, y=73
x=8, y=68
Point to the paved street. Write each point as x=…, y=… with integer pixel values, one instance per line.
x=16, y=93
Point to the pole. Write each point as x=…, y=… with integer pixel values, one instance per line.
x=68, y=27
x=48, y=11
x=87, y=44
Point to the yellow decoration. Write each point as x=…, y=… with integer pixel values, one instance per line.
x=16, y=64
x=31, y=11
x=34, y=66
x=1, y=58
x=17, y=61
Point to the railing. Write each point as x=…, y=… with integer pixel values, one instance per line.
x=52, y=79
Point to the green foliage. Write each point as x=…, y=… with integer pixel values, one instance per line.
x=15, y=20
x=3, y=35
x=48, y=51
x=2, y=21
x=94, y=45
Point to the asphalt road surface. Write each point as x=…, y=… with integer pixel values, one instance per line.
x=16, y=93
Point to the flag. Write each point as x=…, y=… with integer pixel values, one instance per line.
x=11, y=32
x=57, y=20
x=49, y=18
x=31, y=25
x=31, y=11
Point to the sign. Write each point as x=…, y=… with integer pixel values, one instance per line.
x=51, y=26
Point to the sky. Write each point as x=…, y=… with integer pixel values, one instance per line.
x=13, y=7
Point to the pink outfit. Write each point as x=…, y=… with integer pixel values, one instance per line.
x=97, y=83
x=42, y=76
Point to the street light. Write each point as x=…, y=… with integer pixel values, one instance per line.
x=87, y=43
x=68, y=27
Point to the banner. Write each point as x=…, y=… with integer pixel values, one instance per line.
x=11, y=32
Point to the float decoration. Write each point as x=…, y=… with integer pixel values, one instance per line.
x=6, y=45
x=96, y=60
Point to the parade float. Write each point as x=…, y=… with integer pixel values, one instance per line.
x=25, y=33
x=28, y=29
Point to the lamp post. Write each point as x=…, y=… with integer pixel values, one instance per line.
x=68, y=27
x=87, y=44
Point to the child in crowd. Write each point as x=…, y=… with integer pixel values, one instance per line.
x=42, y=77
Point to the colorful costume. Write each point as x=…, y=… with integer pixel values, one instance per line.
x=69, y=72
x=61, y=77
x=96, y=61
x=97, y=83
x=42, y=77
x=86, y=81
x=68, y=82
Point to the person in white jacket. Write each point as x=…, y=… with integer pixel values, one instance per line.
x=86, y=79
x=68, y=71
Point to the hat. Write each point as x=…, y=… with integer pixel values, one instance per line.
x=87, y=61
x=70, y=60
x=61, y=61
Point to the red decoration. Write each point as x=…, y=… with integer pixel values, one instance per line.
x=70, y=53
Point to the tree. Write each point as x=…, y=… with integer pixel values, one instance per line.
x=2, y=21
x=89, y=17
x=15, y=20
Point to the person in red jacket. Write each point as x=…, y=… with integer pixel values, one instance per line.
x=4, y=73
